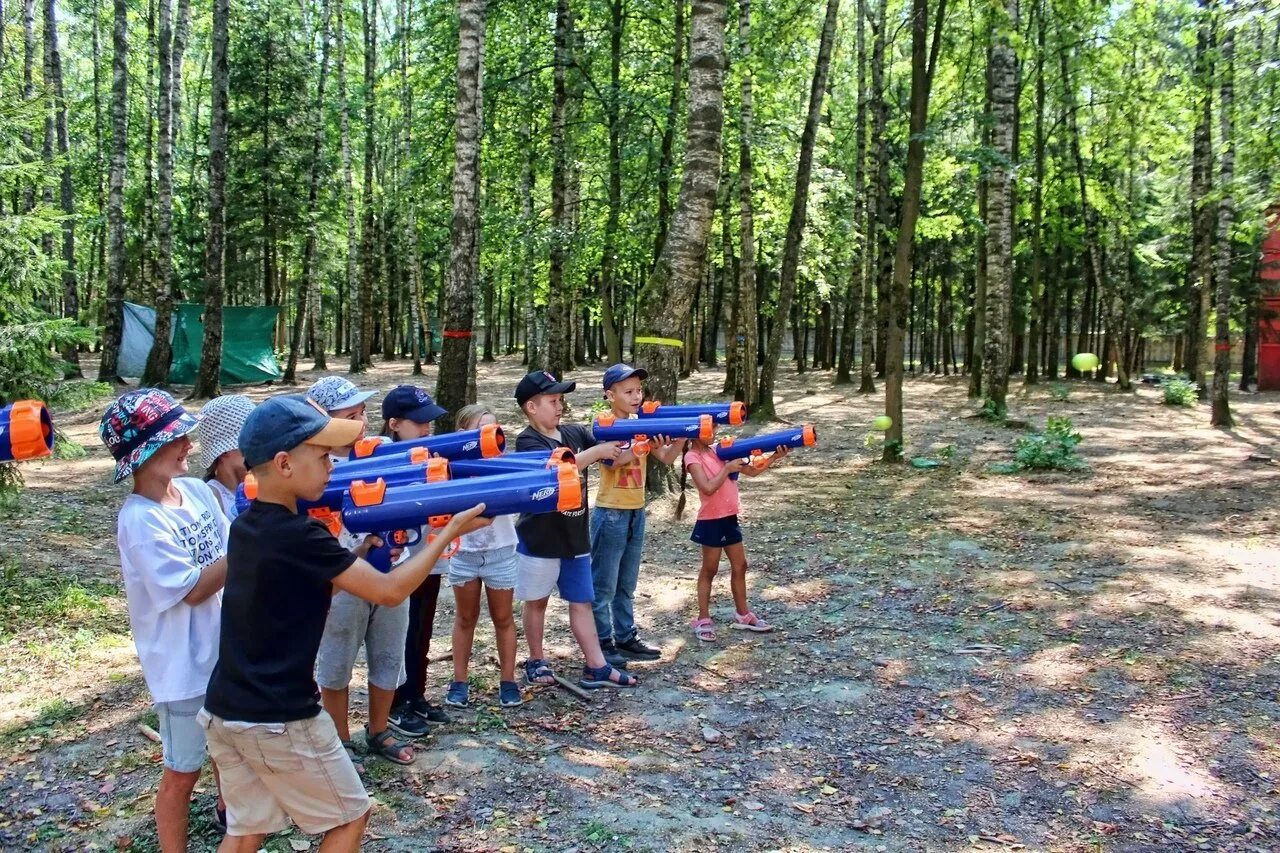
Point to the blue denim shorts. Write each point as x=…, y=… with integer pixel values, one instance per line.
x=496, y=567
x=717, y=532
x=182, y=739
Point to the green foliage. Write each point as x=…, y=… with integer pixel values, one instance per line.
x=1059, y=392
x=1051, y=450
x=992, y=411
x=1180, y=392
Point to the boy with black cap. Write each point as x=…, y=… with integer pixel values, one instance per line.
x=555, y=548
x=277, y=750
x=618, y=524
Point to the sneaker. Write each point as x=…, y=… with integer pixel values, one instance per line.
x=458, y=694
x=430, y=712
x=750, y=622
x=612, y=656
x=637, y=649
x=405, y=722
x=220, y=818
x=509, y=694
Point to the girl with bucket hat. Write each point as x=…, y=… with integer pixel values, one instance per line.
x=173, y=556
x=218, y=431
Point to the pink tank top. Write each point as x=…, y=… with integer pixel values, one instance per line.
x=724, y=501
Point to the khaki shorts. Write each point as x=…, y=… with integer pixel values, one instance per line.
x=271, y=772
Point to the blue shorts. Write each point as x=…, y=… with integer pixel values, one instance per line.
x=536, y=576
x=182, y=739
x=717, y=532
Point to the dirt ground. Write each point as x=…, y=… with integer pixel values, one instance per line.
x=964, y=660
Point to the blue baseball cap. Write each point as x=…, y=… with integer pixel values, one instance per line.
x=411, y=403
x=619, y=372
x=282, y=423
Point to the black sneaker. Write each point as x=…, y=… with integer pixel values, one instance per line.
x=636, y=649
x=406, y=722
x=430, y=712
x=612, y=656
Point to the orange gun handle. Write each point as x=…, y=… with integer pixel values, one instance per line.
x=448, y=551
x=640, y=447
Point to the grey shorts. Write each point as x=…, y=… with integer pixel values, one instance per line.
x=353, y=621
x=182, y=739
x=496, y=567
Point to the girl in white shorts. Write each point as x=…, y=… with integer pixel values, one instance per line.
x=486, y=557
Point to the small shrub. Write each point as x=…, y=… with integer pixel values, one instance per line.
x=992, y=411
x=1051, y=450
x=1059, y=392
x=1180, y=392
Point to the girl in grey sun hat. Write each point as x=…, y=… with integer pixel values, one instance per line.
x=218, y=431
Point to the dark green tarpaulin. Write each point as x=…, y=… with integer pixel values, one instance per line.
x=247, y=354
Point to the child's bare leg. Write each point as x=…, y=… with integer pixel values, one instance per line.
x=534, y=617
x=583, y=625
x=335, y=703
x=504, y=628
x=710, y=565
x=173, y=809
x=467, y=603
x=738, y=576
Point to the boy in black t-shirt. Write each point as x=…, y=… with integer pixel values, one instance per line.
x=555, y=548
x=277, y=751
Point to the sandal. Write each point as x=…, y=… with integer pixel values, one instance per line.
x=751, y=622
x=704, y=629
x=385, y=744
x=594, y=678
x=350, y=748
x=509, y=694
x=537, y=673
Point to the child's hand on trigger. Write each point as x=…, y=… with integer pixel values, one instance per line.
x=780, y=452
x=366, y=545
x=611, y=450
x=737, y=466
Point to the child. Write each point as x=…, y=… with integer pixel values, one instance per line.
x=617, y=527
x=485, y=557
x=354, y=621
x=717, y=530
x=219, y=432
x=279, y=752
x=407, y=413
x=173, y=546
x=554, y=548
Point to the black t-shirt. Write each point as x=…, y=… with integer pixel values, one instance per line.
x=274, y=606
x=556, y=534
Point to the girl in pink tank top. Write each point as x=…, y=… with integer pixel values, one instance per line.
x=717, y=531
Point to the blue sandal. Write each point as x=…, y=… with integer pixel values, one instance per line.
x=537, y=669
x=595, y=678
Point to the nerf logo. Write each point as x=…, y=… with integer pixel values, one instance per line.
x=470, y=445
x=544, y=493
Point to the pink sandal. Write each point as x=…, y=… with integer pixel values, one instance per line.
x=704, y=630
x=751, y=622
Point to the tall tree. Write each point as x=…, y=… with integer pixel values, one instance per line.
x=361, y=355
x=878, y=202
x=559, y=299
x=53, y=65
x=109, y=366
x=408, y=197
x=742, y=348
x=857, y=268
x=460, y=295
x=922, y=67
x=1002, y=73
x=1031, y=375
x=1221, y=414
x=209, y=377
x=28, y=88
x=799, y=208
x=157, y=370
x=664, y=304
x=609, y=255
x=354, y=320
x=1202, y=211
x=666, y=156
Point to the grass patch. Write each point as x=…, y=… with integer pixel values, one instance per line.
x=46, y=598
x=50, y=716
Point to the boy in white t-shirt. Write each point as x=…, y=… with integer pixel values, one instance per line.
x=173, y=555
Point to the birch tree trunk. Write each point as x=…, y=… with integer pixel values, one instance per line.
x=361, y=355
x=70, y=298
x=609, y=260
x=1201, y=208
x=1221, y=415
x=559, y=300
x=799, y=207
x=411, y=254
x=1032, y=373
x=456, y=362
x=113, y=331
x=877, y=202
x=215, y=272
x=157, y=370
x=354, y=319
x=28, y=87
x=741, y=374
x=665, y=302
x=1001, y=71
x=666, y=152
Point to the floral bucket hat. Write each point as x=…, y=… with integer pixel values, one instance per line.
x=138, y=424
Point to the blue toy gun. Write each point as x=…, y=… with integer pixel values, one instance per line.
x=26, y=431
x=733, y=414
x=637, y=431
x=376, y=506
x=509, y=463
x=755, y=447
x=482, y=443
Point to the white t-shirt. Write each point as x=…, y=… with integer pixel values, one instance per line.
x=226, y=498
x=500, y=534
x=162, y=550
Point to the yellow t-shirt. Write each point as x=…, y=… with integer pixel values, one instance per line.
x=621, y=486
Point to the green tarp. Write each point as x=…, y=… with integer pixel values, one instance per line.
x=247, y=354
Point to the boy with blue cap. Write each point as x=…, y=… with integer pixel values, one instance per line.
x=618, y=525
x=277, y=749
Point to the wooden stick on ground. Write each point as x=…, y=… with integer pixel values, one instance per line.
x=573, y=688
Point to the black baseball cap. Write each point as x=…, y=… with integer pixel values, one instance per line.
x=411, y=403
x=541, y=382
